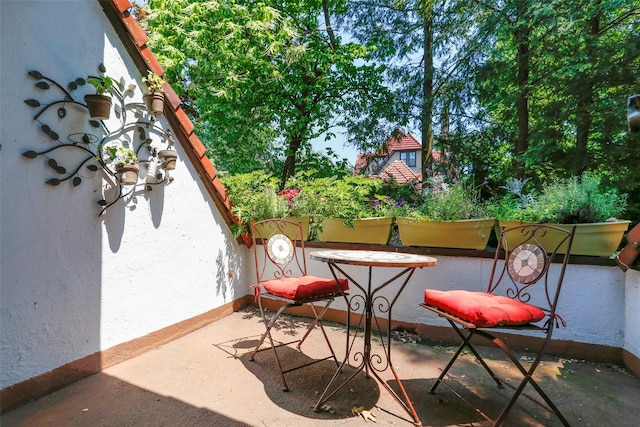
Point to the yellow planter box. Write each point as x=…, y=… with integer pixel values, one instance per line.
x=463, y=234
x=593, y=239
x=375, y=231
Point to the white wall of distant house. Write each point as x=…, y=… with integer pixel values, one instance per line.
x=73, y=284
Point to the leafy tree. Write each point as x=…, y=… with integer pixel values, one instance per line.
x=419, y=41
x=265, y=78
x=580, y=60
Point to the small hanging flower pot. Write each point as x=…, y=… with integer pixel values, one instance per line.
x=99, y=106
x=168, y=158
x=128, y=174
x=154, y=99
x=154, y=102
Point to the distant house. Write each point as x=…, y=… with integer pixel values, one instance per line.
x=400, y=157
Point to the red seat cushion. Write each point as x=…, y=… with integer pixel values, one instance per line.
x=304, y=287
x=484, y=309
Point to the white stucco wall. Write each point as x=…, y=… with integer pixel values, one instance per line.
x=72, y=284
x=632, y=313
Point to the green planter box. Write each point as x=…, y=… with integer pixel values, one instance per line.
x=463, y=234
x=375, y=231
x=593, y=239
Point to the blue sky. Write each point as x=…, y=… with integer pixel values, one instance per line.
x=337, y=145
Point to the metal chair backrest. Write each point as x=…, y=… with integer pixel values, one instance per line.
x=522, y=266
x=278, y=246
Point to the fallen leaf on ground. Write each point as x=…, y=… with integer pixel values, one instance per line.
x=327, y=408
x=367, y=415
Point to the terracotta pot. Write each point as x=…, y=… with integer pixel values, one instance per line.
x=374, y=231
x=462, y=234
x=154, y=102
x=128, y=174
x=168, y=158
x=99, y=106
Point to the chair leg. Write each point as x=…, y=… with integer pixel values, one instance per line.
x=466, y=342
x=446, y=368
x=318, y=321
x=267, y=333
x=528, y=379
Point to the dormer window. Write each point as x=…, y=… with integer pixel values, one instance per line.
x=409, y=158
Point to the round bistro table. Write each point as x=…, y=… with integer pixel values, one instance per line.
x=372, y=307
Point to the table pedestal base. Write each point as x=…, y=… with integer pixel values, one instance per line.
x=374, y=308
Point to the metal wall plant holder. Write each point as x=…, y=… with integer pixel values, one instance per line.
x=137, y=140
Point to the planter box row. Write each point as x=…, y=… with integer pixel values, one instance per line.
x=597, y=239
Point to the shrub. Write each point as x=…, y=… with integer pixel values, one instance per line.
x=578, y=200
x=572, y=200
x=448, y=201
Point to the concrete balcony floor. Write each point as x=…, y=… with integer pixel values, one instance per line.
x=207, y=379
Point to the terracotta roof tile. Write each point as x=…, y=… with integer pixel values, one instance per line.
x=198, y=146
x=402, y=142
x=137, y=34
x=122, y=5
x=151, y=60
x=400, y=172
x=185, y=123
x=399, y=141
x=209, y=169
x=171, y=96
x=135, y=40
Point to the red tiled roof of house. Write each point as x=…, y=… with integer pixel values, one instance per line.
x=399, y=141
x=363, y=160
x=135, y=40
x=400, y=172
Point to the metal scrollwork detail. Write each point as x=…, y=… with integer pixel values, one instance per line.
x=89, y=146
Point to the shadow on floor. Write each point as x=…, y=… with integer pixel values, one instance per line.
x=306, y=384
x=108, y=401
x=205, y=378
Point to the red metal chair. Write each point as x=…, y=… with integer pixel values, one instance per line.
x=281, y=271
x=523, y=294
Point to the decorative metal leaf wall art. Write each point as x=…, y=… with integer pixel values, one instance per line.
x=137, y=135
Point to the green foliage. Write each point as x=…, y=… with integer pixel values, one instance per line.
x=264, y=78
x=506, y=89
x=116, y=155
x=515, y=204
x=448, y=201
x=154, y=82
x=346, y=198
x=103, y=84
x=577, y=200
x=572, y=200
x=254, y=196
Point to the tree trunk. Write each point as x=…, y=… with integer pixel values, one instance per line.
x=522, y=32
x=427, y=90
x=289, y=168
x=585, y=94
